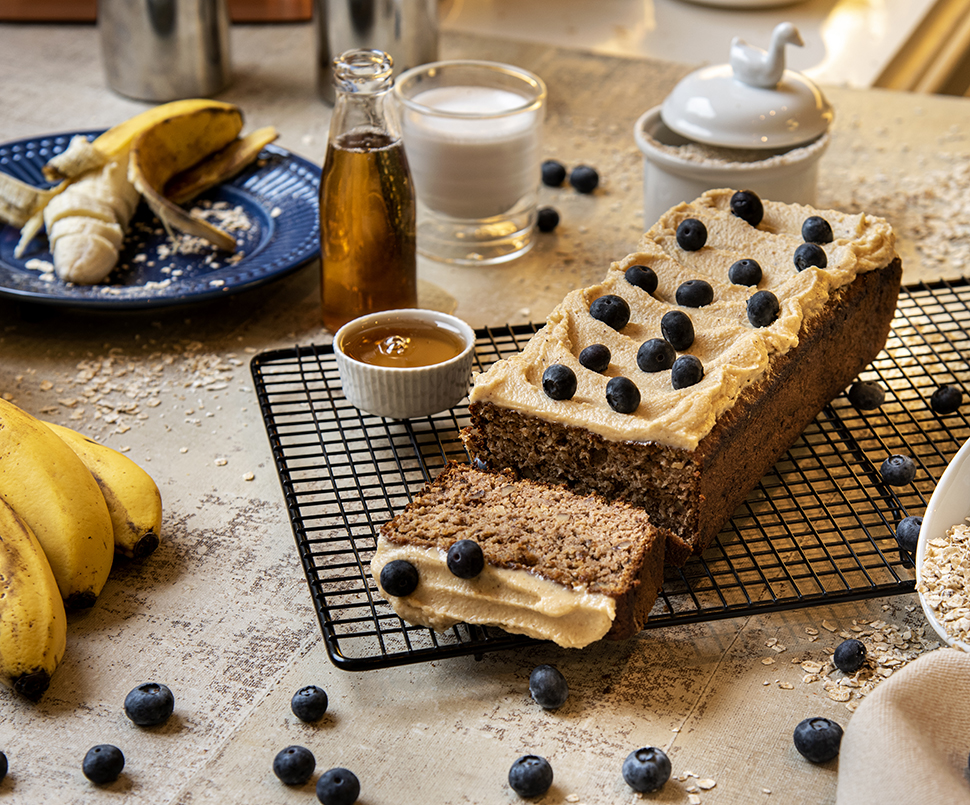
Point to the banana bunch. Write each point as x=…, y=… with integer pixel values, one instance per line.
x=100, y=183
x=67, y=505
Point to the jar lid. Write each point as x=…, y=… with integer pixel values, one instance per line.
x=751, y=102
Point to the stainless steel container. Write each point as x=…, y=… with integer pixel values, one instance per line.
x=406, y=29
x=162, y=50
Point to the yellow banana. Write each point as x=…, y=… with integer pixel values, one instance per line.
x=33, y=625
x=133, y=499
x=45, y=482
x=171, y=146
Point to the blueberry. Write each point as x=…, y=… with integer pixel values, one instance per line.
x=103, y=763
x=816, y=229
x=866, y=395
x=695, y=293
x=465, y=559
x=691, y=235
x=595, y=357
x=643, y=277
x=898, y=470
x=553, y=173
x=763, y=308
x=3, y=766
x=810, y=254
x=338, y=787
x=559, y=382
x=547, y=219
x=747, y=206
x=530, y=776
x=646, y=769
x=946, y=399
x=907, y=534
x=294, y=765
x=745, y=272
x=678, y=329
x=611, y=310
x=622, y=395
x=310, y=702
x=150, y=704
x=584, y=178
x=818, y=739
x=686, y=371
x=399, y=578
x=655, y=355
x=850, y=656
x=548, y=687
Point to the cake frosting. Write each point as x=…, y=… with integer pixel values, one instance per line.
x=734, y=353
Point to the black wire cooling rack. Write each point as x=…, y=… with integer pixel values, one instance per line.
x=819, y=527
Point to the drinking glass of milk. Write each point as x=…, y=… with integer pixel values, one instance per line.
x=472, y=134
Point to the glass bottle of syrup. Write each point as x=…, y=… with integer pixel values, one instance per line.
x=367, y=206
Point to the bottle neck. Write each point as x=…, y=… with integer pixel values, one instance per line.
x=363, y=80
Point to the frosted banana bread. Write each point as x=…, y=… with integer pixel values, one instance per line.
x=489, y=549
x=679, y=380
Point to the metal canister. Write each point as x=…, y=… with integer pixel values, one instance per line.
x=406, y=29
x=163, y=50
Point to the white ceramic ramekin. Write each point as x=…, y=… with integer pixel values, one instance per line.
x=669, y=179
x=405, y=392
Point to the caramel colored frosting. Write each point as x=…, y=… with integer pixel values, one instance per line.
x=734, y=353
x=517, y=600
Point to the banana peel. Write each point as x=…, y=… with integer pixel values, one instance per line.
x=20, y=201
x=172, y=145
x=219, y=167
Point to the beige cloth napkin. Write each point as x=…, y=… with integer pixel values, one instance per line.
x=909, y=740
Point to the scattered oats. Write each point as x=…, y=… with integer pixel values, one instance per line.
x=68, y=403
x=840, y=694
x=124, y=449
x=221, y=462
x=831, y=627
x=765, y=790
x=786, y=686
x=276, y=212
x=46, y=385
x=693, y=799
x=779, y=648
x=811, y=667
x=692, y=789
x=767, y=660
x=811, y=630
x=706, y=784
x=183, y=450
x=676, y=729
x=771, y=641
x=249, y=476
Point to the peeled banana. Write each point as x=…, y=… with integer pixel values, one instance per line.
x=132, y=497
x=45, y=482
x=33, y=624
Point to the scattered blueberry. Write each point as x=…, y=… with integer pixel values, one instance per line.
x=595, y=357
x=907, y=535
x=850, y=656
x=678, y=329
x=548, y=687
x=584, y=178
x=150, y=704
x=816, y=229
x=643, y=277
x=646, y=769
x=763, y=308
x=465, y=559
x=866, y=395
x=745, y=272
x=294, y=765
x=103, y=763
x=655, y=355
x=810, y=254
x=559, y=382
x=399, y=578
x=622, y=395
x=3, y=766
x=747, y=206
x=946, y=399
x=695, y=293
x=898, y=470
x=691, y=235
x=686, y=371
x=818, y=739
x=338, y=787
x=547, y=219
x=553, y=173
x=611, y=310
x=530, y=776
x=310, y=702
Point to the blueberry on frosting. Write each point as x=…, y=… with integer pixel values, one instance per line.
x=559, y=382
x=746, y=205
x=691, y=235
x=686, y=371
x=595, y=357
x=643, y=277
x=612, y=310
x=763, y=308
x=655, y=355
x=695, y=293
x=816, y=229
x=810, y=254
x=678, y=329
x=622, y=395
x=745, y=272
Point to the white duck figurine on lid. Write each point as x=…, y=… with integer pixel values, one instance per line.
x=763, y=68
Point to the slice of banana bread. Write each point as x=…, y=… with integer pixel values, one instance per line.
x=557, y=565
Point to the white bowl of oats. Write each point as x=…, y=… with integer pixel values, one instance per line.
x=943, y=555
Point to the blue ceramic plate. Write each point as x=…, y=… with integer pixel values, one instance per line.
x=277, y=195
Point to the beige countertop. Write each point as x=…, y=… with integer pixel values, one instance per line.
x=221, y=612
